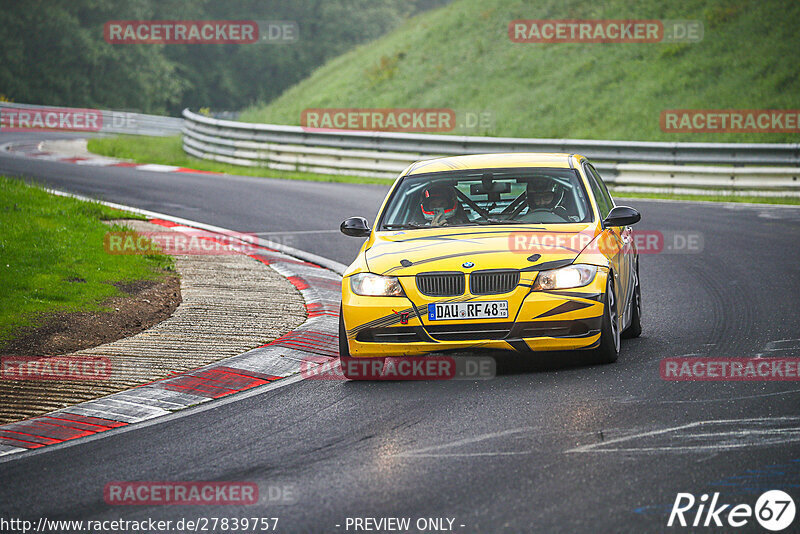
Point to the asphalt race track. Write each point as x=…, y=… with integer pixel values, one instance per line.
x=551, y=445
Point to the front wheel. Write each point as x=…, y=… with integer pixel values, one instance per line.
x=350, y=369
x=608, y=351
x=635, y=328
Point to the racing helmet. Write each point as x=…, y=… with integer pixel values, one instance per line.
x=439, y=199
x=542, y=193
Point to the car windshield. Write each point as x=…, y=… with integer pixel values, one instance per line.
x=488, y=196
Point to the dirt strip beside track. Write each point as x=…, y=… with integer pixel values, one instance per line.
x=231, y=304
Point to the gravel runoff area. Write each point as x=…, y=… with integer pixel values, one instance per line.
x=231, y=304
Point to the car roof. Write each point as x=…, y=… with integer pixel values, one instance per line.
x=492, y=161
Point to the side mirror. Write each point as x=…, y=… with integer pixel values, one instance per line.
x=622, y=216
x=355, y=227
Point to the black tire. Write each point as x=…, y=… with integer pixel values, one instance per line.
x=608, y=350
x=635, y=328
x=344, y=354
x=344, y=348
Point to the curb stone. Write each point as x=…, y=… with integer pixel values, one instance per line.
x=315, y=340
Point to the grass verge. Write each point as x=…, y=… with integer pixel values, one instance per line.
x=52, y=256
x=794, y=201
x=169, y=151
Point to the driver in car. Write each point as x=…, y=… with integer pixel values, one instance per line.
x=440, y=206
x=544, y=198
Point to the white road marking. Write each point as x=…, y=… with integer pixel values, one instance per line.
x=12, y=450
x=467, y=441
x=156, y=167
x=757, y=437
x=464, y=454
x=97, y=162
x=724, y=399
x=780, y=345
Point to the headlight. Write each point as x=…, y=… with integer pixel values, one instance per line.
x=565, y=277
x=374, y=285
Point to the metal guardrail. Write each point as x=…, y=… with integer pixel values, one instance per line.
x=385, y=154
x=752, y=168
x=122, y=122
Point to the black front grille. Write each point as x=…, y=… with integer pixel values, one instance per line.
x=569, y=328
x=397, y=334
x=493, y=282
x=441, y=284
x=469, y=332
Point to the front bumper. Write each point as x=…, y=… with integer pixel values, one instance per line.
x=538, y=321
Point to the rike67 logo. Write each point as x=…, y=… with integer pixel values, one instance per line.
x=774, y=510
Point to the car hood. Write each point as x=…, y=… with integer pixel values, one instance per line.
x=406, y=253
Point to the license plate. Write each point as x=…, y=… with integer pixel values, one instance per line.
x=496, y=309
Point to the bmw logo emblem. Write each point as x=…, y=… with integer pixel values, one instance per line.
x=468, y=265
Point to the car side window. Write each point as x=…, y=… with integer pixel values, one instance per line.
x=603, y=187
x=604, y=202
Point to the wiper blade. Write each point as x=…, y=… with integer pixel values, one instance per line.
x=497, y=221
x=402, y=226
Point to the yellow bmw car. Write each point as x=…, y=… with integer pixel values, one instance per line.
x=522, y=252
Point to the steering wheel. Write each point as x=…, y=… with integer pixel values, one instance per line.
x=551, y=212
x=561, y=211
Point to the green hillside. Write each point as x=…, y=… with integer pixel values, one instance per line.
x=461, y=57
